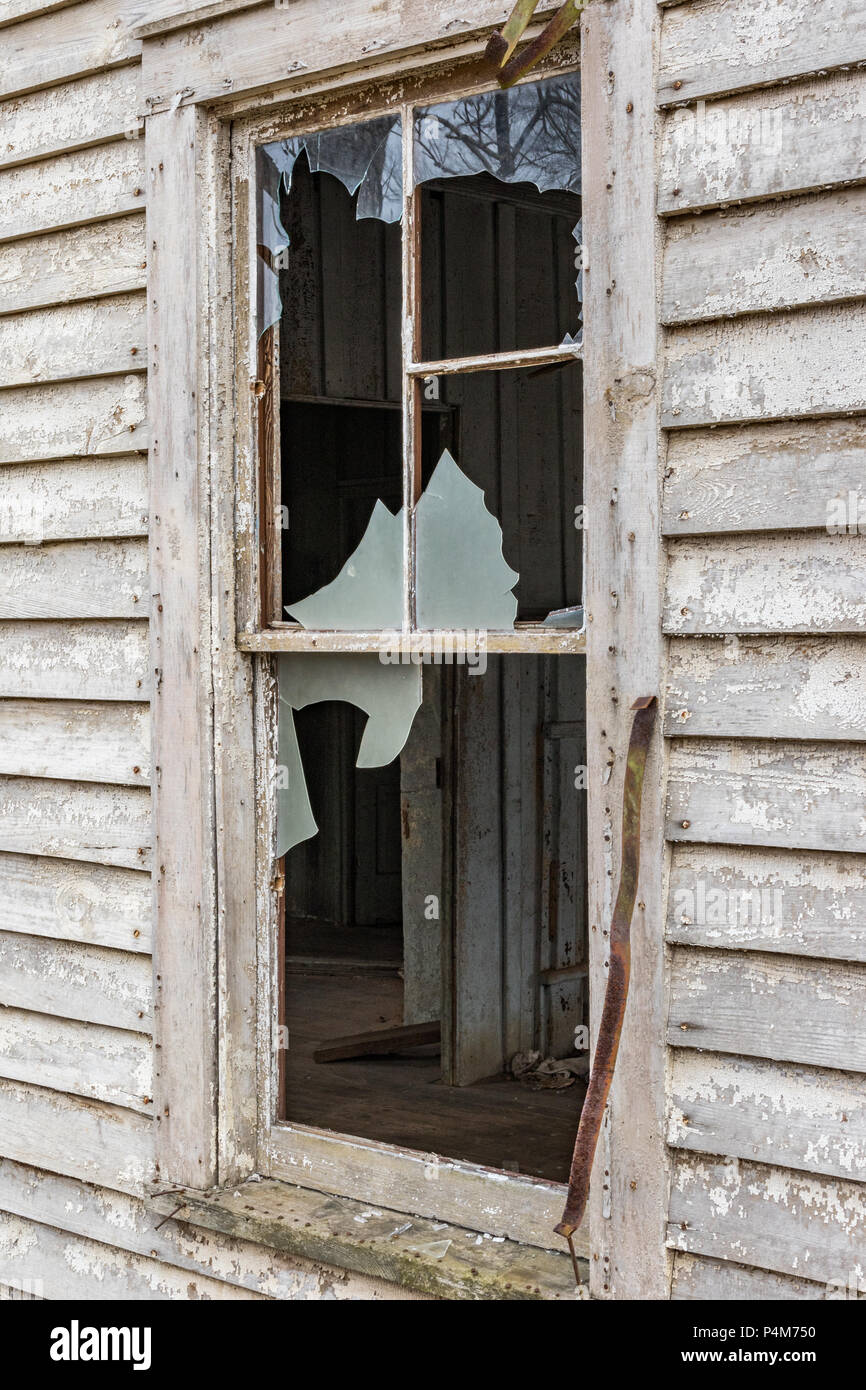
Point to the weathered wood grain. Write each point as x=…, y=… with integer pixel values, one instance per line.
x=81, y=1059
x=59, y=45
x=728, y=45
x=739, y=149
x=76, y=981
x=793, y=796
x=781, y=900
x=753, y=687
x=781, y=1007
x=808, y=1118
x=73, y=419
x=82, y=742
x=71, y=116
x=74, y=579
x=766, y=584
x=97, y=1143
x=696, y=1279
x=763, y=477
x=765, y=257
x=81, y=263
x=751, y=369
x=62, y=900
x=71, y=190
x=74, y=499
x=74, y=661
x=100, y=337
x=792, y=1223
x=76, y=820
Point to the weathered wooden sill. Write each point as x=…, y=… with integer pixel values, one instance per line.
x=430, y=1257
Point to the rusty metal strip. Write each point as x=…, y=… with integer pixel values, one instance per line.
x=501, y=45
x=613, y=1012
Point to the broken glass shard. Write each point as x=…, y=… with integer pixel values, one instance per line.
x=367, y=594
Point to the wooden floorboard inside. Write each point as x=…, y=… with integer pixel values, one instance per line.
x=401, y=1100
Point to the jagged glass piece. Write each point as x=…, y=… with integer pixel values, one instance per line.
x=367, y=594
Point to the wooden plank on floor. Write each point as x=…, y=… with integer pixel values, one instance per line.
x=767, y=687
x=809, y=1118
x=74, y=499
x=766, y=584
x=794, y=475
x=85, y=742
x=768, y=900
x=94, y=660
x=785, y=1008
x=97, y=337
x=71, y=190
x=76, y=820
x=75, y=579
x=81, y=1059
x=788, y=795
x=79, y=263
x=97, y=1143
x=63, y=900
x=74, y=419
x=76, y=981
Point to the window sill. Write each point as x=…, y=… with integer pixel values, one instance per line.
x=429, y=1257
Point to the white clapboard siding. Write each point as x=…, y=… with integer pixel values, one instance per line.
x=81, y=263
x=104, y=416
x=766, y=367
x=82, y=742
x=788, y=795
x=82, y=1059
x=765, y=477
x=74, y=661
x=726, y=45
x=766, y=584
x=74, y=579
x=60, y=45
x=768, y=900
x=767, y=687
x=72, y=189
x=76, y=981
x=60, y=899
x=100, y=337
x=76, y=820
x=122, y=1221
x=68, y=1267
x=73, y=499
x=808, y=1118
x=794, y=1223
x=71, y=116
x=699, y=1280
x=787, y=1008
x=765, y=257
x=763, y=144
x=13, y=11
x=97, y=1143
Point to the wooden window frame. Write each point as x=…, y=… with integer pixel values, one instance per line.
x=214, y=699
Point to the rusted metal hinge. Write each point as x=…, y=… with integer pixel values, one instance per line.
x=616, y=992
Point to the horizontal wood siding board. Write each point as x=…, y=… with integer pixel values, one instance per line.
x=766, y=584
x=84, y=1139
x=74, y=499
x=71, y=116
x=785, y=1008
x=82, y=1059
x=63, y=44
x=763, y=477
x=698, y=1280
x=768, y=900
x=767, y=687
x=74, y=579
x=723, y=46
x=765, y=257
x=71, y=190
x=751, y=369
x=807, y=1118
x=96, y=660
x=76, y=981
x=100, y=337
x=82, y=742
x=67, y=901
x=76, y=820
x=786, y=795
x=104, y=258
x=794, y=1223
x=74, y=419
x=739, y=149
